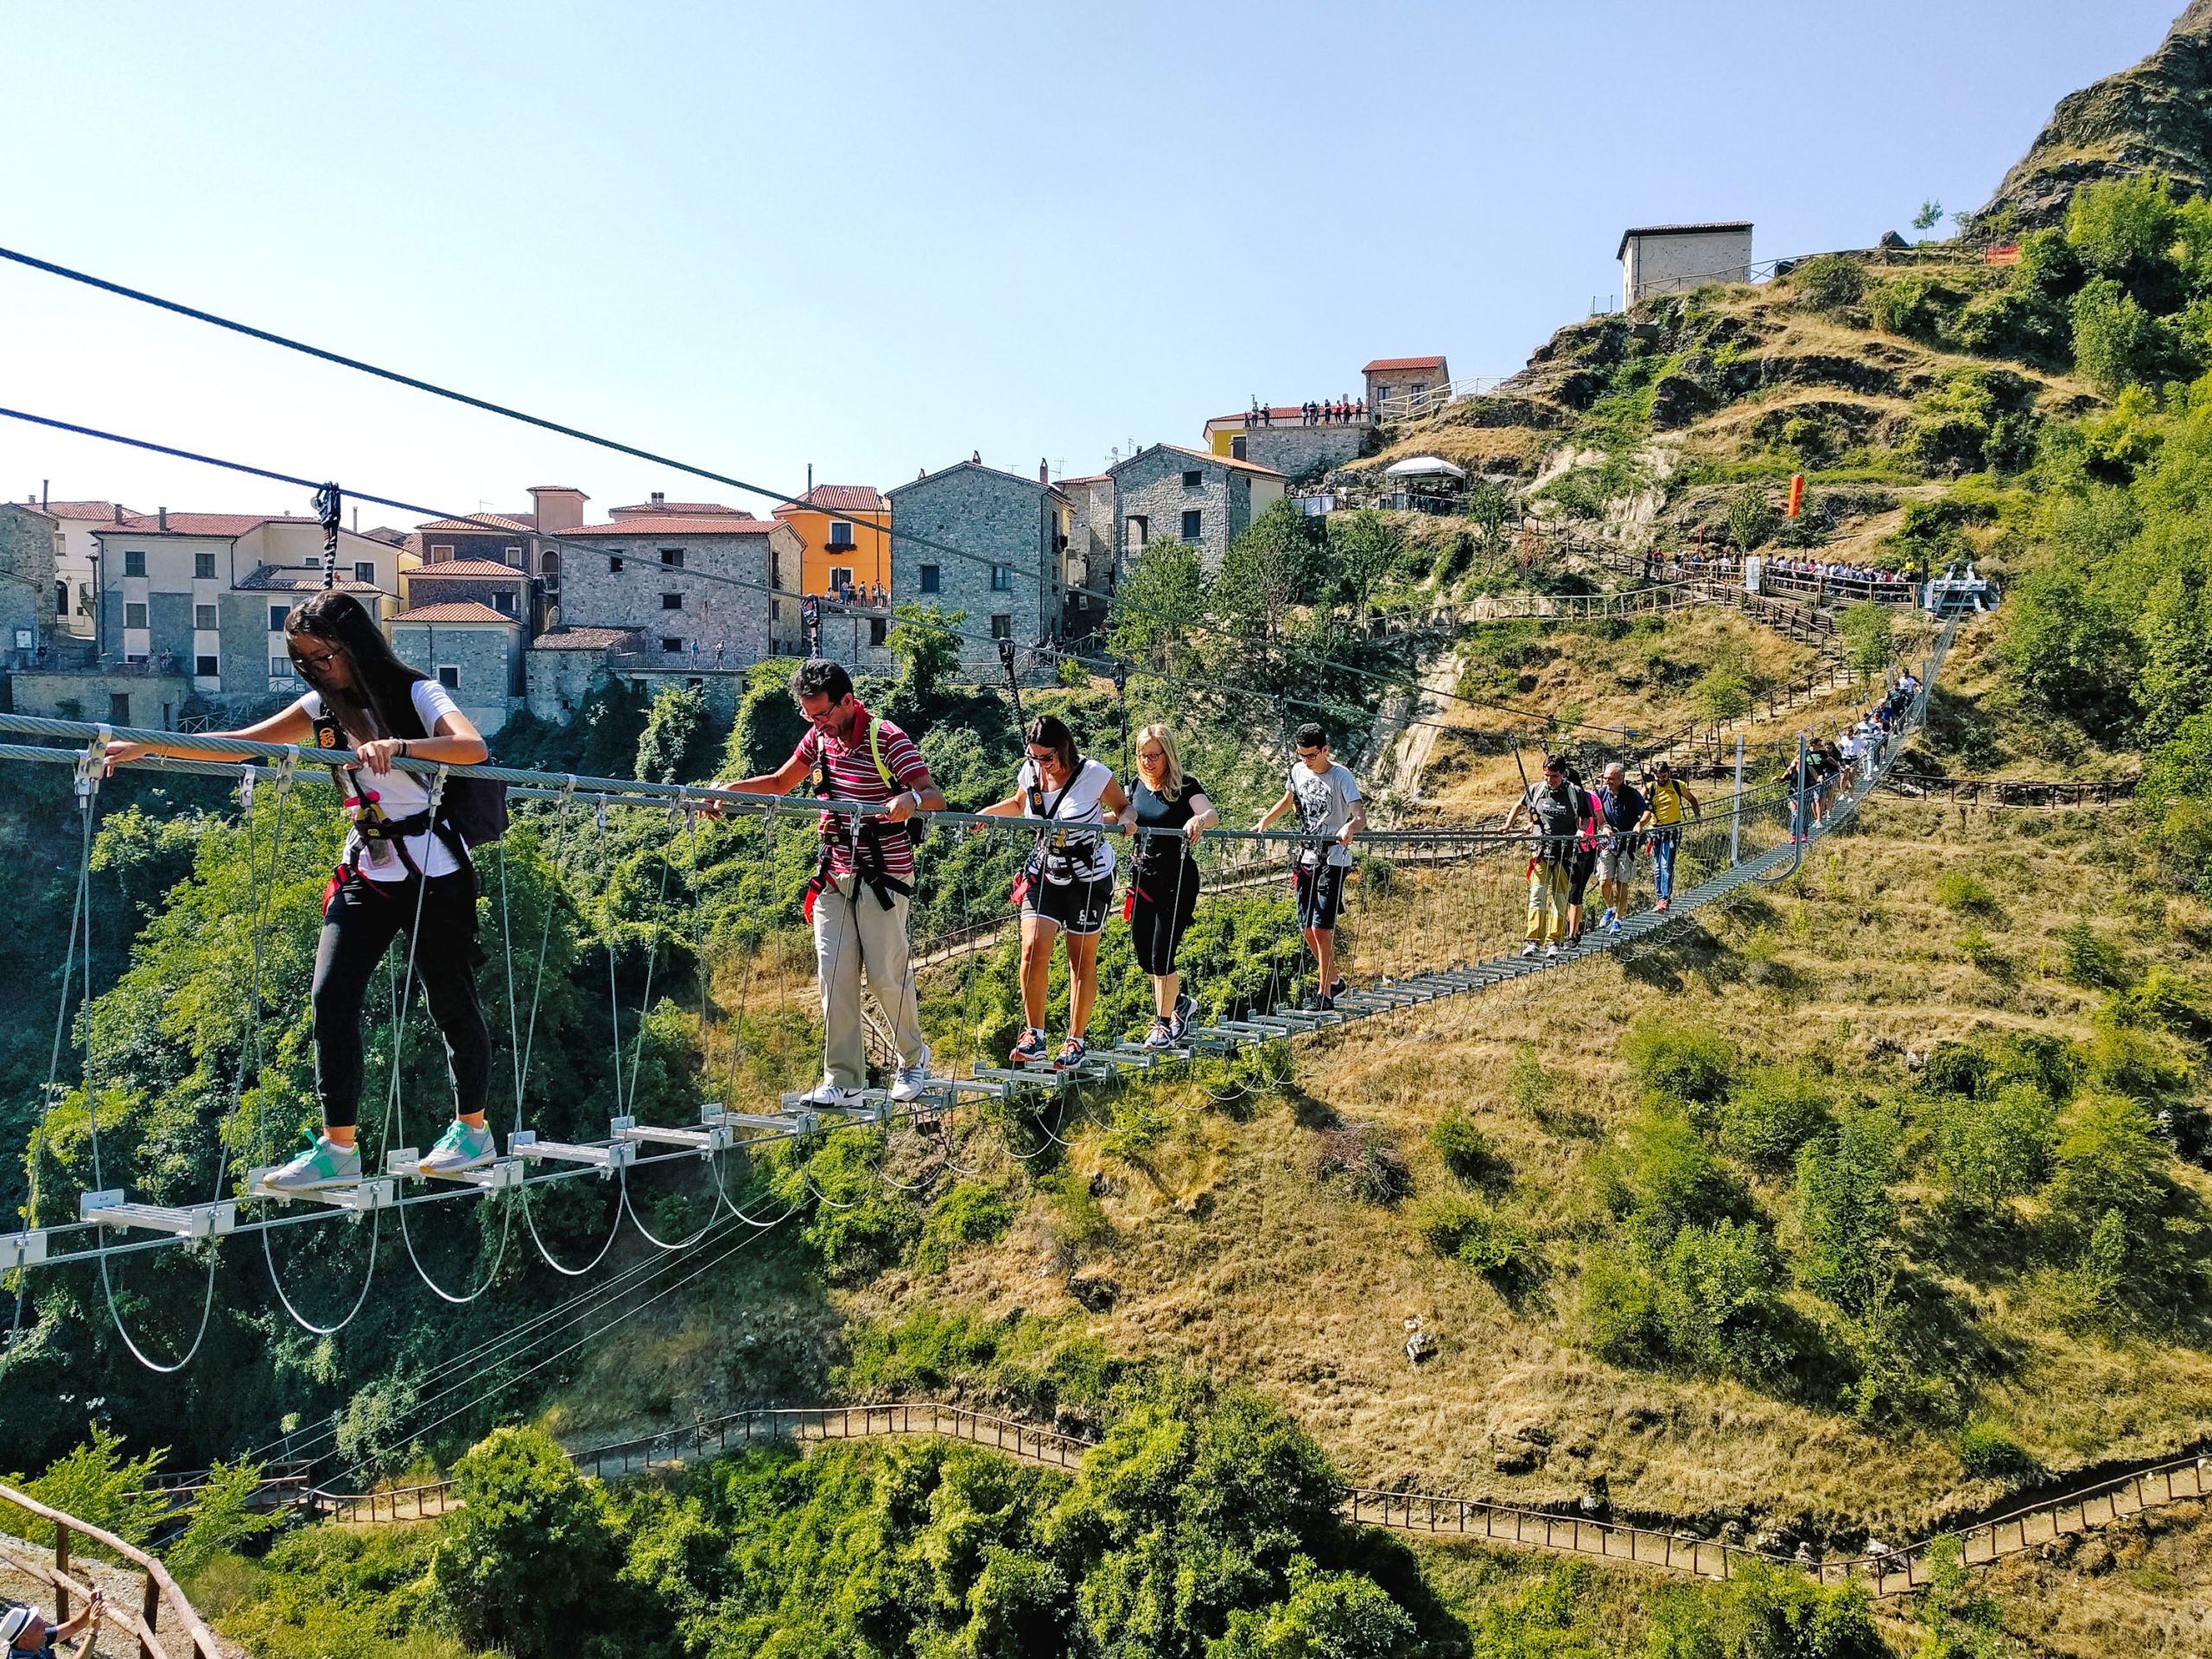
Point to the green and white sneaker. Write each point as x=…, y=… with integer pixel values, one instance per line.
x=461, y=1148
x=324, y=1163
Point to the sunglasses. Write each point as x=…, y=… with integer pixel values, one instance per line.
x=1044, y=755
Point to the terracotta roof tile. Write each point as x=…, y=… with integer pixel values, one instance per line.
x=101, y=510
x=839, y=498
x=671, y=509
x=466, y=567
x=273, y=579
x=1386, y=364
x=484, y=524
x=678, y=525
x=233, y=524
x=462, y=611
x=583, y=638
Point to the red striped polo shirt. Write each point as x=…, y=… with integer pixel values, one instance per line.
x=853, y=777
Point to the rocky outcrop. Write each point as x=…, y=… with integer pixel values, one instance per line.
x=2156, y=117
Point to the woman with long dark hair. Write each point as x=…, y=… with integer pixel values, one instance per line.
x=1069, y=880
x=400, y=874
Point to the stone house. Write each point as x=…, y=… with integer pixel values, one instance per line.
x=561, y=664
x=30, y=546
x=76, y=567
x=254, y=661
x=1170, y=494
x=701, y=591
x=1402, y=379
x=499, y=587
x=1676, y=258
x=1087, y=561
x=473, y=650
x=972, y=538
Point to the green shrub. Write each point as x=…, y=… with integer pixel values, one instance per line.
x=1620, y=1315
x=1989, y=1451
x=1326, y=1616
x=1846, y=1214
x=1956, y=1068
x=95, y=1482
x=1770, y=1113
x=1137, y=1126
x=969, y=1214
x=858, y=1225
x=1464, y=1147
x=2109, y=1158
x=1918, y=307
x=1686, y=1062
x=1762, y=1611
x=1720, y=1301
x=2099, y=1278
x=1983, y=954
x=1990, y=1152
x=526, y=1564
x=1526, y=1080
x=2117, y=343
x=2175, y=803
x=2165, y=1001
x=2129, y=1061
x=1834, y=281
x=1968, y=894
x=2092, y=961
x=2071, y=649
x=1664, y=1178
x=223, y=1519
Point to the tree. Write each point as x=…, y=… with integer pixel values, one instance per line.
x=1275, y=564
x=1990, y=1152
x=1929, y=216
x=1364, y=547
x=223, y=1518
x=1846, y=1214
x=2117, y=343
x=525, y=1564
x=2071, y=649
x=925, y=641
x=1870, y=631
x=1158, y=607
x=2109, y=1157
x=1718, y=1301
x=1326, y=1616
x=677, y=743
x=1752, y=518
x=95, y=1482
x=2175, y=802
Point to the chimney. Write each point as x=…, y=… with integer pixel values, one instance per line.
x=659, y=497
x=1044, y=471
x=161, y=517
x=976, y=458
x=118, y=505
x=556, y=507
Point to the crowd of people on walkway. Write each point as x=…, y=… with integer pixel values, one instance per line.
x=1324, y=412
x=1836, y=570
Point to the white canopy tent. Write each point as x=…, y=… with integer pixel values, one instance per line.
x=1425, y=467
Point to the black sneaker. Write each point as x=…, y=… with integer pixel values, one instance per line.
x=1030, y=1048
x=1321, y=1004
x=1336, y=986
x=1186, y=1009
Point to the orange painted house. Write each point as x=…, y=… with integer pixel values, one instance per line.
x=845, y=534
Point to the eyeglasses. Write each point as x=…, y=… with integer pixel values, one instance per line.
x=1310, y=755
x=1043, y=755
x=1151, y=754
x=312, y=658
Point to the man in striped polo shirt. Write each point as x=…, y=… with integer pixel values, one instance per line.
x=864, y=881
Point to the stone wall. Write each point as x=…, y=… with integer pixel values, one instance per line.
x=482, y=655
x=1675, y=264
x=1151, y=485
x=554, y=681
x=730, y=624
x=27, y=565
x=993, y=517
x=154, y=701
x=1295, y=450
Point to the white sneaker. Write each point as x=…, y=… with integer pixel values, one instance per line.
x=324, y=1163
x=912, y=1079
x=829, y=1094
x=1551, y=949
x=461, y=1148
x=1530, y=948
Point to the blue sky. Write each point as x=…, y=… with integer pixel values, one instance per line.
x=876, y=237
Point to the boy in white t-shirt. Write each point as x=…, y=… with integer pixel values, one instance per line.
x=1326, y=797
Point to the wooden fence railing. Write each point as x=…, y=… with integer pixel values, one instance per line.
x=160, y=1596
x=2012, y=791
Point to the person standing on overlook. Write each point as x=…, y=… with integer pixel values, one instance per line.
x=401, y=872
x=1326, y=797
x=863, y=879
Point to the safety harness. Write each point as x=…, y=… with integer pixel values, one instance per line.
x=372, y=825
x=867, y=835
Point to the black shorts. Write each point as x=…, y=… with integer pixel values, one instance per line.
x=1078, y=907
x=1320, y=889
x=1579, y=873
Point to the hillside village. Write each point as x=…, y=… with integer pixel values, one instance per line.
x=1820, y=1271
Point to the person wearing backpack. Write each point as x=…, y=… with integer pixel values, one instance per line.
x=863, y=879
x=1067, y=886
x=402, y=871
x=1553, y=813
x=1620, y=809
x=1588, y=820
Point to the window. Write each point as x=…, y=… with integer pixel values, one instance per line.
x=365, y=572
x=449, y=676
x=672, y=557
x=1002, y=578
x=841, y=533
x=671, y=646
x=280, y=668
x=203, y=618
x=134, y=614
x=671, y=601
x=1236, y=448
x=441, y=551
x=1192, y=522
x=203, y=567
x=205, y=667
x=841, y=578
x=1193, y=479
x=1139, y=531
x=119, y=707
x=550, y=566
x=61, y=598
x=1002, y=626
x=878, y=631
x=514, y=556
x=615, y=564
x=134, y=561
x=277, y=615
x=933, y=578
x=503, y=603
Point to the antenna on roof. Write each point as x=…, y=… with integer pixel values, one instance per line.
x=810, y=477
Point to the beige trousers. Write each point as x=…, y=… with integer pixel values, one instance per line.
x=854, y=935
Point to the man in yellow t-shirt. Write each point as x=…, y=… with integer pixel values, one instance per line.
x=1671, y=805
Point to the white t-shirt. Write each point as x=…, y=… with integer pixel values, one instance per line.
x=1324, y=804
x=1089, y=858
x=399, y=795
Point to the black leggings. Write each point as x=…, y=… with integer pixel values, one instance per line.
x=358, y=924
x=1161, y=906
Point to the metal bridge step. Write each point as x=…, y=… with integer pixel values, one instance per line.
x=111, y=1208
x=361, y=1197
x=705, y=1142
x=525, y=1143
x=405, y=1163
